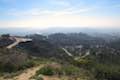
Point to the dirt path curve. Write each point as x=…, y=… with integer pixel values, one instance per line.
x=28, y=73
x=67, y=52
x=17, y=41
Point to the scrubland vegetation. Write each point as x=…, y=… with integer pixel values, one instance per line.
x=103, y=62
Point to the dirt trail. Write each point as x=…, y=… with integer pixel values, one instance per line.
x=31, y=72
x=18, y=40
x=67, y=52
x=28, y=73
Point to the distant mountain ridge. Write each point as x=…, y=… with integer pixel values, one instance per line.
x=26, y=31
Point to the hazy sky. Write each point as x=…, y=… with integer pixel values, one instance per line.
x=56, y=13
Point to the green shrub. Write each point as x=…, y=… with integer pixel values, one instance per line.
x=46, y=71
x=27, y=64
x=107, y=72
x=8, y=67
x=38, y=78
x=70, y=70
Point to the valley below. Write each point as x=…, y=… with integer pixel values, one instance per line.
x=59, y=56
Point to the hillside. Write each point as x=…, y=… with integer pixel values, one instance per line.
x=72, y=56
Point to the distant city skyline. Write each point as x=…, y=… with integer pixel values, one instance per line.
x=44, y=14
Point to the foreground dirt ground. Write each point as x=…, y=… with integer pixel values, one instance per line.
x=26, y=74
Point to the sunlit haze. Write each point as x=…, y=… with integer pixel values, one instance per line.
x=59, y=13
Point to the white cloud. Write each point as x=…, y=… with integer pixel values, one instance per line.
x=41, y=12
